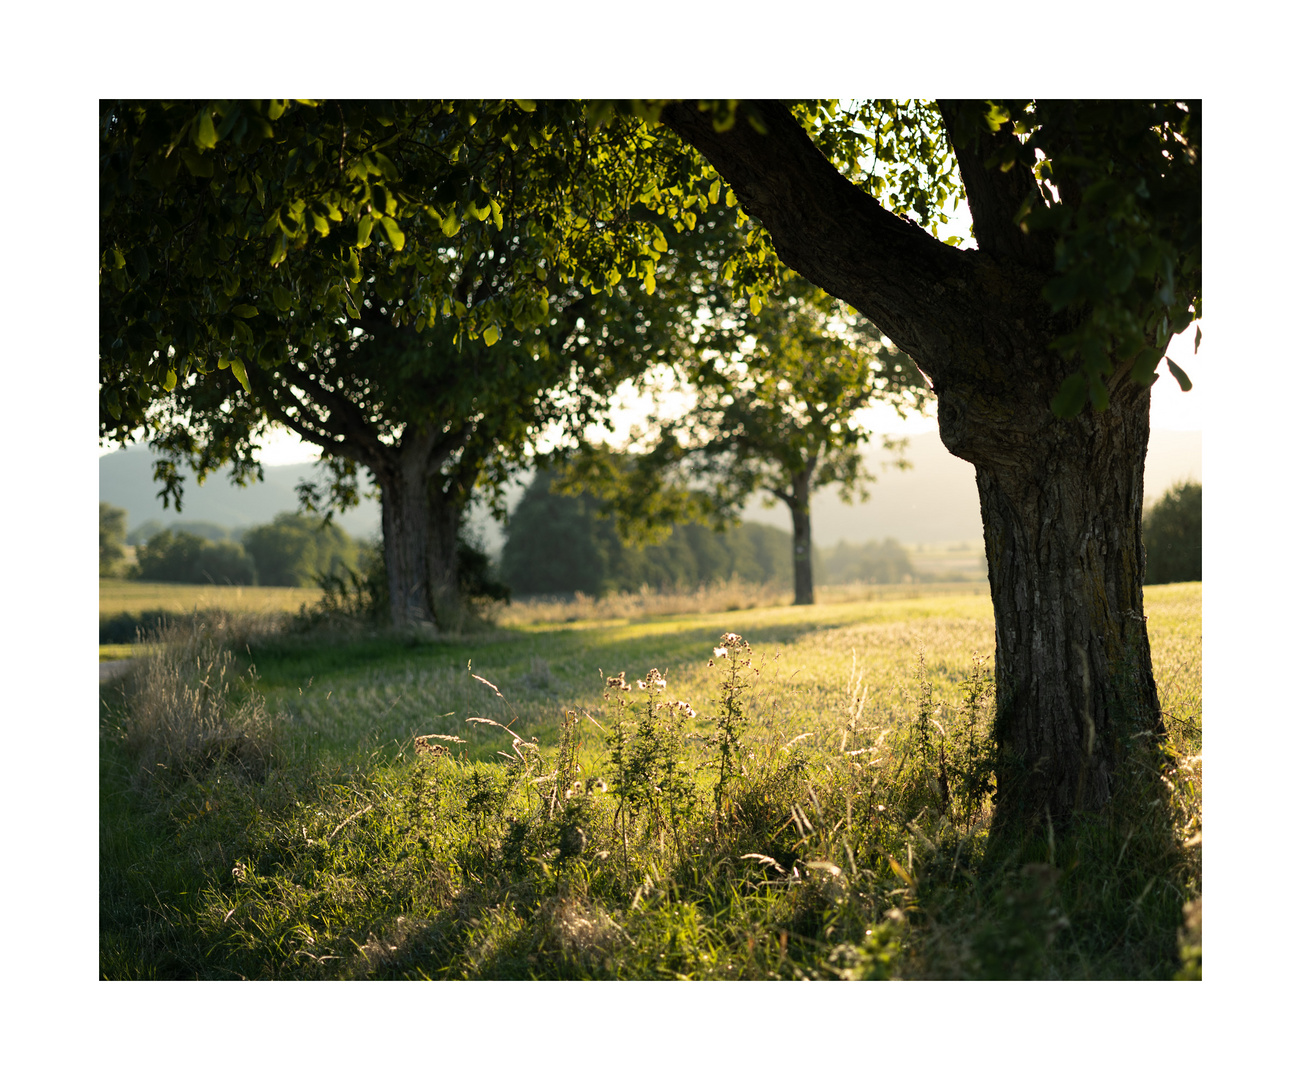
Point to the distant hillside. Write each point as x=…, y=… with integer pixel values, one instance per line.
x=126, y=479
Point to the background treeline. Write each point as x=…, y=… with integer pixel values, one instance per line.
x=1172, y=535
x=559, y=544
x=294, y=550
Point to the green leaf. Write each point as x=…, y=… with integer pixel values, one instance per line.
x=169, y=383
x=496, y=212
x=282, y=298
x=237, y=366
x=244, y=311
x=364, y=227
x=278, y=249
x=196, y=162
x=1098, y=394
x=276, y=108
x=1144, y=370
x=649, y=281
x=1197, y=341
x=714, y=189
x=205, y=135
x=396, y=237
x=491, y=335
x=1071, y=397
x=1185, y=383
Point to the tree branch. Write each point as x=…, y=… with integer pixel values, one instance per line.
x=994, y=196
x=834, y=233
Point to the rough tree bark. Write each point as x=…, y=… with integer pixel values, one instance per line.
x=1061, y=499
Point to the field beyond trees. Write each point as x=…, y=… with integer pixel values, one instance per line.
x=808, y=799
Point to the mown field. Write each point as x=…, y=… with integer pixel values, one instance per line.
x=377, y=805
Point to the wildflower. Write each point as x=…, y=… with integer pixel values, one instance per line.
x=720, y=652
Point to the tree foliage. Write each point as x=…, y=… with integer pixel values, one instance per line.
x=296, y=550
x=186, y=558
x=1172, y=535
x=775, y=409
x=560, y=543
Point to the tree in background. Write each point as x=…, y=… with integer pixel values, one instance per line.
x=1172, y=535
x=189, y=559
x=561, y=543
x=112, y=536
x=1041, y=345
x=421, y=280
x=296, y=550
x=146, y=530
x=778, y=415
x=877, y=562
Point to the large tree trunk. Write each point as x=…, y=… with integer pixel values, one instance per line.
x=443, y=560
x=421, y=523
x=407, y=540
x=1061, y=499
x=1062, y=503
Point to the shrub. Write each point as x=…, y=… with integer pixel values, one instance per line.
x=296, y=550
x=1172, y=535
x=187, y=558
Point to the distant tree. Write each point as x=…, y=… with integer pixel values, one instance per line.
x=112, y=534
x=186, y=558
x=880, y=562
x=1172, y=535
x=778, y=414
x=225, y=562
x=552, y=544
x=295, y=549
x=561, y=543
x=207, y=529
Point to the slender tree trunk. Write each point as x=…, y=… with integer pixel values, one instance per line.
x=802, y=539
x=1062, y=503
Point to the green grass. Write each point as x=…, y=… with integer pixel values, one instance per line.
x=117, y=596
x=304, y=833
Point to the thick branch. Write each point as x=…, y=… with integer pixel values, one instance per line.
x=994, y=196
x=832, y=232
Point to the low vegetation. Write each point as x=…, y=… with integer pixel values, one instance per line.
x=771, y=792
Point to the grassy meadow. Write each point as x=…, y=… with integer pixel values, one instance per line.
x=809, y=802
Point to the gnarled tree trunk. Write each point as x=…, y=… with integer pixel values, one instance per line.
x=1062, y=504
x=1061, y=499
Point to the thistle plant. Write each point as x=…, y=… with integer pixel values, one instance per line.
x=730, y=720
